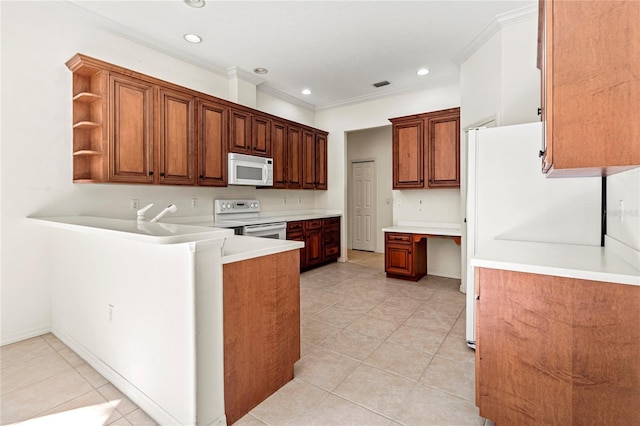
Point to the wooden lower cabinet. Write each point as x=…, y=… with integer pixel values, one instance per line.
x=555, y=350
x=405, y=256
x=261, y=329
x=321, y=239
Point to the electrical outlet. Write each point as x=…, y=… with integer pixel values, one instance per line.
x=194, y=202
x=134, y=204
x=621, y=211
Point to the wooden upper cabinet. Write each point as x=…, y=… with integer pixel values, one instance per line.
x=309, y=160
x=294, y=157
x=444, y=151
x=212, y=136
x=279, y=153
x=408, y=143
x=176, y=138
x=426, y=150
x=131, y=130
x=261, y=136
x=591, y=86
x=321, y=161
x=240, y=132
x=250, y=133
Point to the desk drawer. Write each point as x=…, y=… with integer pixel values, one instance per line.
x=398, y=238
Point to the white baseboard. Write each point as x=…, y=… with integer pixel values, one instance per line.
x=127, y=388
x=18, y=337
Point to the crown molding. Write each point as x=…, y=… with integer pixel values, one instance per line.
x=265, y=88
x=498, y=23
x=233, y=72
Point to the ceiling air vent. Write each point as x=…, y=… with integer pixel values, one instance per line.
x=381, y=83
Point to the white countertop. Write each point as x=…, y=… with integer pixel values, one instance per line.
x=431, y=228
x=269, y=217
x=563, y=260
x=237, y=248
x=154, y=233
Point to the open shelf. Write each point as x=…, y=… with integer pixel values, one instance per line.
x=86, y=125
x=86, y=152
x=86, y=97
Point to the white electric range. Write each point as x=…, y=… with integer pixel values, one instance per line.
x=243, y=216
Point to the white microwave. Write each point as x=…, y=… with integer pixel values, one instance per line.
x=250, y=170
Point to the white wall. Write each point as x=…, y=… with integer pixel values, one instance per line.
x=374, y=144
x=37, y=144
x=624, y=225
x=376, y=113
x=501, y=78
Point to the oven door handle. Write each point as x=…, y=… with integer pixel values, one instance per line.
x=251, y=229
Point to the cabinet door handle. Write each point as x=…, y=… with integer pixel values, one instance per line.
x=539, y=111
x=201, y=177
x=162, y=174
x=150, y=172
x=409, y=252
x=541, y=153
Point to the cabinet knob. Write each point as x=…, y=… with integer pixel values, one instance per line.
x=541, y=153
x=162, y=174
x=201, y=177
x=539, y=111
x=150, y=172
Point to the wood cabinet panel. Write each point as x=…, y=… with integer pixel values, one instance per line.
x=279, y=152
x=405, y=256
x=444, y=152
x=212, y=136
x=240, y=132
x=176, y=137
x=408, y=142
x=321, y=238
x=321, y=161
x=261, y=305
x=261, y=136
x=426, y=150
x=308, y=160
x=555, y=350
x=294, y=157
x=131, y=130
x=590, y=111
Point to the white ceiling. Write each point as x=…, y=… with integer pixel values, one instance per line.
x=338, y=49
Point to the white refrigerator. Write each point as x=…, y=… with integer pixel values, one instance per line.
x=509, y=198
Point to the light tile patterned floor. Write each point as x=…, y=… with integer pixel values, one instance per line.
x=375, y=351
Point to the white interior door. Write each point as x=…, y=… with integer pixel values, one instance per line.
x=363, y=212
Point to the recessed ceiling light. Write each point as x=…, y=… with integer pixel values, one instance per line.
x=195, y=3
x=260, y=70
x=193, y=38
x=423, y=71
x=306, y=91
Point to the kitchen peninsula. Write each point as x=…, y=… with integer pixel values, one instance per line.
x=142, y=303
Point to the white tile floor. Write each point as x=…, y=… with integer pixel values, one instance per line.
x=375, y=351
